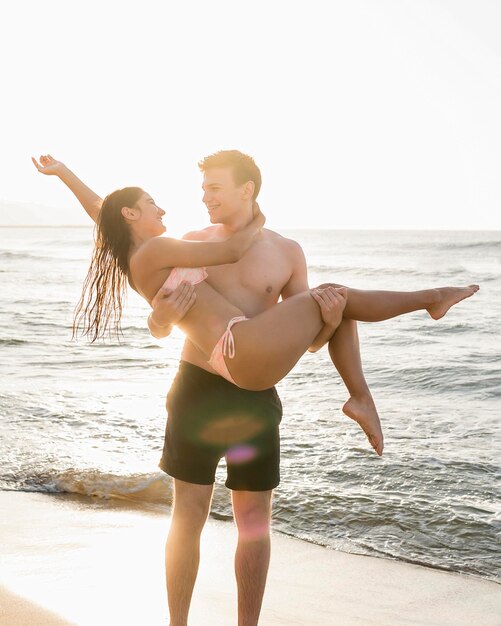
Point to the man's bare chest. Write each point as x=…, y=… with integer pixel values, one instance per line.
x=256, y=281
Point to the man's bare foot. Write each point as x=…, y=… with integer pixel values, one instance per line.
x=363, y=410
x=449, y=296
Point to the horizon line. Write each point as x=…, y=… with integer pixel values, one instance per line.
x=298, y=228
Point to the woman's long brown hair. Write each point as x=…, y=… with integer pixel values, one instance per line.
x=99, y=311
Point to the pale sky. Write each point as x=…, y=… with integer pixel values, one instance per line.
x=360, y=114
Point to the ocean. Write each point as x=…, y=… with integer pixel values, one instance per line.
x=89, y=419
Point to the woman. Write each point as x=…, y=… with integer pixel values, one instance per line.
x=255, y=353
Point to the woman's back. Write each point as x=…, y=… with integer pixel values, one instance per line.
x=207, y=319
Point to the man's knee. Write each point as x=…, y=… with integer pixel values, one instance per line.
x=191, y=503
x=252, y=512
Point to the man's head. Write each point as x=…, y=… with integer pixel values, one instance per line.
x=232, y=182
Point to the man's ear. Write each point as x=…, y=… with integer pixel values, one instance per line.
x=248, y=190
x=129, y=214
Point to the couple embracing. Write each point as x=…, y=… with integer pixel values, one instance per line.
x=222, y=285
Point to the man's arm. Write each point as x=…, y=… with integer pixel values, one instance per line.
x=169, y=308
x=297, y=283
x=161, y=252
x=90, y=201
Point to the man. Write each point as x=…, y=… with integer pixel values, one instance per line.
x=208, y=417
x=273, y=267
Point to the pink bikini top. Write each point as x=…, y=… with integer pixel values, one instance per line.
x=192, y=275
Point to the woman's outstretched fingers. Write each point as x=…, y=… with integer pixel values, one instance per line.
x=47, y=165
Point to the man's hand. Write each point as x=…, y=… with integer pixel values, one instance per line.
x=331, y=301
x=169, y=308
x=48, y=165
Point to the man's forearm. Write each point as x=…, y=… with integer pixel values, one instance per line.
x=158, y=331
x=90, y=201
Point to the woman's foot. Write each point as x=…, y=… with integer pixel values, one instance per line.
x=449, y=296
x=363, y=410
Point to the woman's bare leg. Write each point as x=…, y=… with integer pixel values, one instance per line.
x=344, y=350
x=344, y=346
x=269, y=345
x=376, y=306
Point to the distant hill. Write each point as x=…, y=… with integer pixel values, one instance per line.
x=29, y=214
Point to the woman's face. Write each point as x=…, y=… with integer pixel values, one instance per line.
x=150, y=216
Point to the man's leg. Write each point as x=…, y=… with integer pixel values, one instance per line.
x=182, y=551
x=252, y=511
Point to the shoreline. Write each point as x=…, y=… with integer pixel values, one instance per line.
x=127, y=503
x=66, y=560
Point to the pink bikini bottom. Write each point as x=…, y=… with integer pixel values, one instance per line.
x=225, y=347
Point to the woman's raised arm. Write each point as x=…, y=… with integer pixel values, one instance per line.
x=90, y=201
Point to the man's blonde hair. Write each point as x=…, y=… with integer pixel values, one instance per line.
x=242, y=166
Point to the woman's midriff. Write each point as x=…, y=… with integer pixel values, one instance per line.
x=208, y=318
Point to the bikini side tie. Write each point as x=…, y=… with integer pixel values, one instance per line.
x=228, y=341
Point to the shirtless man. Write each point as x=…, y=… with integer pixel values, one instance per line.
x=208, y=416
x=273, y=267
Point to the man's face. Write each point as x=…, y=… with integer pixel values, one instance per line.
x=223, y=199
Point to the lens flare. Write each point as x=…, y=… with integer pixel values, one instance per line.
x=241, y=454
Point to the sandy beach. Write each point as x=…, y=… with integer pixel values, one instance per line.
x=70, y=560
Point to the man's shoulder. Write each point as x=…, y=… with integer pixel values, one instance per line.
x=287, y=245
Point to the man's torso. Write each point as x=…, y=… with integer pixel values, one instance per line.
x=253, y=284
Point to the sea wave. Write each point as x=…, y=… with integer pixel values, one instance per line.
x=13, y=342
x=148, y=489
x=447, y=379
x=25, y=256
x=487, y=246
x=153, y=488
x=452, y=273
x=391, y=513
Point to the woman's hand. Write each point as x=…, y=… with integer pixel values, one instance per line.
x=90, y=201
x=48, y=165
